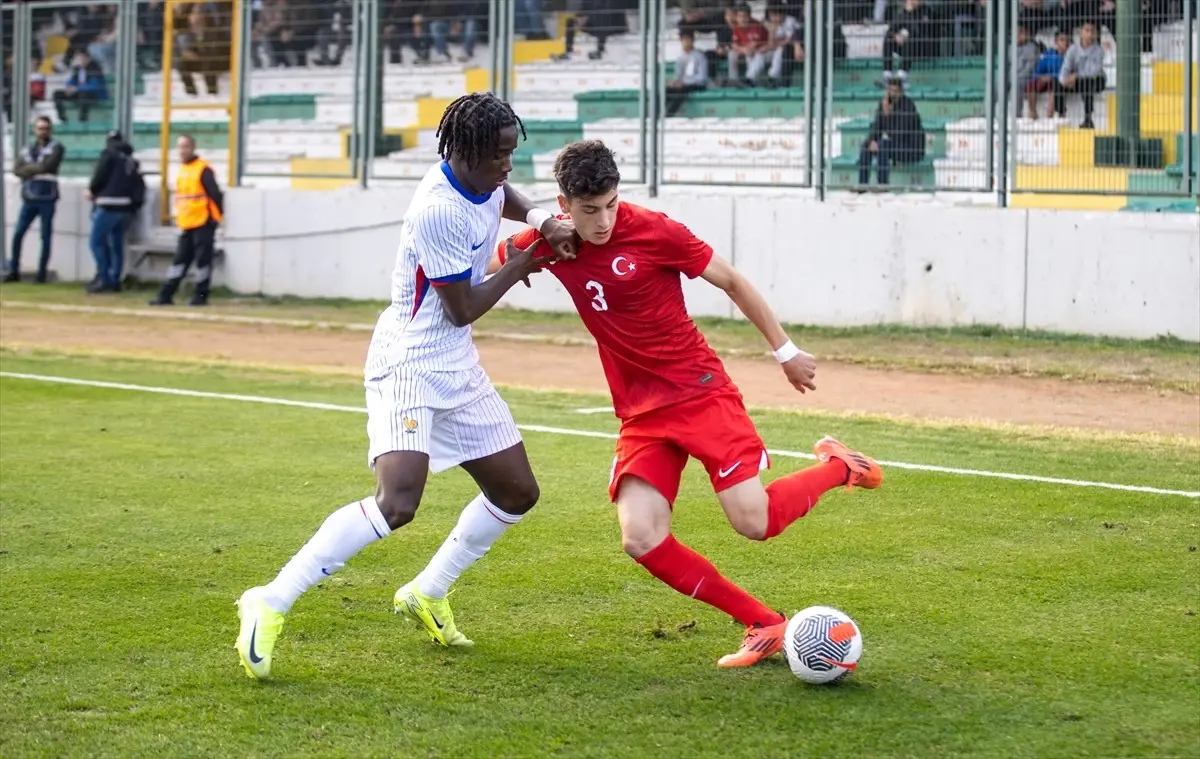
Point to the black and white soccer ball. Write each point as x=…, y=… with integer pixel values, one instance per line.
x=822, y=645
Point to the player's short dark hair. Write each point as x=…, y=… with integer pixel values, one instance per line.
x=586, y=169
x=470, y=128
x=44, y=119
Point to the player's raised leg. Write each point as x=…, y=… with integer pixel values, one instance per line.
x=761, y=513
x=645, y=516
x=400, y=480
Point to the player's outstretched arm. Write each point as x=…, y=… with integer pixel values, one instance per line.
x=464, y=303
x=559, y=233
x=799, y=366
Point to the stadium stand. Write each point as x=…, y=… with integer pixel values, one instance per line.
x=300, y=125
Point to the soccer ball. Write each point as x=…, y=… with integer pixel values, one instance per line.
x=822, y=645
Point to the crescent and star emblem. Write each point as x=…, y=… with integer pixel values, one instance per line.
x=622, y=266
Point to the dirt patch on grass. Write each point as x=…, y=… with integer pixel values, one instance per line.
x=842, y=388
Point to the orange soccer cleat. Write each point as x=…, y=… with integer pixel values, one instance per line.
x=864, y=472
x=760, y=642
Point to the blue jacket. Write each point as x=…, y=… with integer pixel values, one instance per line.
x=1050, y=64
x=89, y=81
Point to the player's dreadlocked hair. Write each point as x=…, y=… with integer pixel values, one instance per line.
x=586, y=169
x=470, y=127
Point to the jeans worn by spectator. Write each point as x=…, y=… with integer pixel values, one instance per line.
x=440, y=32
x=884, y=156
x=30, y=210
x=528, y=20
x=107, y=241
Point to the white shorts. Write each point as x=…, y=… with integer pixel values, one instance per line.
x=450, y=416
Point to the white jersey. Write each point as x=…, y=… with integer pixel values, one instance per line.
x=449, y=235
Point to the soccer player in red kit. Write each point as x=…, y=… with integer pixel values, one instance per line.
x=672, y=394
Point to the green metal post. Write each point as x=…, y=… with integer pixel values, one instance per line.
x=1129, y=71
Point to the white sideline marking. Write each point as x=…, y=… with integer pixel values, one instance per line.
x=592, y=434
x=596, y=410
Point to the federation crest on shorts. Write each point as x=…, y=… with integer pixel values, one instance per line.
x=409, y=424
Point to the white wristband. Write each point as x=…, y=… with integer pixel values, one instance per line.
x=786, y=352
x=537, y=217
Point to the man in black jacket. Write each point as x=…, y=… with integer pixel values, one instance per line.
x=117, y=191
x=37, y=168
x=896, y=135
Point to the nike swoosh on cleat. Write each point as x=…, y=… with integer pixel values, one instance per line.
x=326, y=572
x=254, y=658
x=435, y=620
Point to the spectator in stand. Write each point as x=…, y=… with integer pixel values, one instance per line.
x=403, y=24
x=85, y=86
x=1083, y=71
x=750, y=44
x=599, y=18
x=37, y=85
x=203, y=45
x=117, y=191
x=103, y=49
x=1039, y=14
x=896, y=136
x=457, y=20
x=691, y=74
x=279, y=28
x=1045, y=79
x=87, y=26
x=150, y=35
x=786, y=45
x=909, y=38
x=707, y=17
x=335, y=33
x=1029, y=52
x=37, y=168
x=528, y=20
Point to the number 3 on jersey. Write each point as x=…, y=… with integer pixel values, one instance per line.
x=598, y=301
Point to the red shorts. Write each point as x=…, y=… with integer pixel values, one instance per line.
x=714, y=429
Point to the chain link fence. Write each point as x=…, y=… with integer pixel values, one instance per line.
x=1037, y=103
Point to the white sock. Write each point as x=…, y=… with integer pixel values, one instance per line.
x=344, y=533
x=479, y=526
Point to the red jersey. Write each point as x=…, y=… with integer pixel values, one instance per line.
x=753, y=33
x=629, y=294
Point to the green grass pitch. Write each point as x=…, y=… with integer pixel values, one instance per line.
x=1001, y=619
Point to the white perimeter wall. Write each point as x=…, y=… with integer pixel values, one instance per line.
x=878, y=260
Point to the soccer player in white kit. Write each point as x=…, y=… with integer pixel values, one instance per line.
x=430, y=405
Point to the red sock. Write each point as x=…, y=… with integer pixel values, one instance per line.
x=794, y=496
x=693, y=575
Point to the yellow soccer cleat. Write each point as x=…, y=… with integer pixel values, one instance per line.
x=432, y=613
x=260, y=629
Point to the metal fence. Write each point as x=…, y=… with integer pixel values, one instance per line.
x=1035, y=103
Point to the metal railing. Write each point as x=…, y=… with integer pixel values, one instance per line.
x=932, y=96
